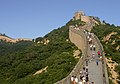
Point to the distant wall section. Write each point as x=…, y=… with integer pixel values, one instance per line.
x=78, y=38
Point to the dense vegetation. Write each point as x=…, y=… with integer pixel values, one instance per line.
x=19, y=61
x=111, y=45
x=76, y=22
x=7, y=48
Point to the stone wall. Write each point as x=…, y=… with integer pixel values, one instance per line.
x=85, y=19
x=78, y=38
x=78, y=15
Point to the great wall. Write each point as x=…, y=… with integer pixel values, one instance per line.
x=78, y=37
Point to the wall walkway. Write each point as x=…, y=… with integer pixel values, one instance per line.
x=78, y=37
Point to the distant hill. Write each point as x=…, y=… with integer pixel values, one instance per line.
x=8, y=39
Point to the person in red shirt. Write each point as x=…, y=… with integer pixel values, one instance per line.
x=99, y=53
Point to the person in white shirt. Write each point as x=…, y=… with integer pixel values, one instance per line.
x=94, y=47
x=72, y=78
x=76, y=80
x=86, y=68
x=90, y=40
x=83, y=78
x=89, y=33
x=88, y=37
x=80, y=82
x=84, y=81
x=91, y=47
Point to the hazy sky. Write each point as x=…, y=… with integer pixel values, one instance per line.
x=34, y=18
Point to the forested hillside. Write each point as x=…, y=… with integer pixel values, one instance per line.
x=51, y=55
x=109, y=36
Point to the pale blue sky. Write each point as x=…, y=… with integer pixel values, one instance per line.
x=34, y=18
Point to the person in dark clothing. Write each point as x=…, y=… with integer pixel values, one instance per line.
x=86, y=62
x=94, y=47
x=87, y=79
x=84, y=68
x=97, y=62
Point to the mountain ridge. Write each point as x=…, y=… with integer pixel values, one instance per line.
x=54, y=51
x=11, y=40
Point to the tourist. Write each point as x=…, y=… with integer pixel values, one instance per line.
x=81, y=75
x=87, y=79
x=96, y=61
x=88, y=37
x=99, y=53
x=83, y=79
x=86, y=68
x=87, y=63
x=80, y=82
x=101, y=57
x=94, y=47
x=73, y=82
x=76, y=80
x=84, y=31
x=84, y=73
x=91, y=47
x=72, y=79
x=90, y=40
x=89, y=33
x=80, y=72
x=93, y=56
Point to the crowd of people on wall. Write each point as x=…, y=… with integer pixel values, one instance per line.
x=83, y=77
x=92, y=47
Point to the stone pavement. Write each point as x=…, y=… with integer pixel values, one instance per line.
x=95, y=71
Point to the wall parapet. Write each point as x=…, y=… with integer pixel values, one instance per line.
x=79, y=65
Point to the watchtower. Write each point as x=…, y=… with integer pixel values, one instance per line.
x=78, y=15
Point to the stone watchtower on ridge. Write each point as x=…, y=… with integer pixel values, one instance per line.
x=81, y=15
x=90, y=22
x=78, y=15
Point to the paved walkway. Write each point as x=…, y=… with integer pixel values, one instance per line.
x=90, y=70
x=95, y=71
